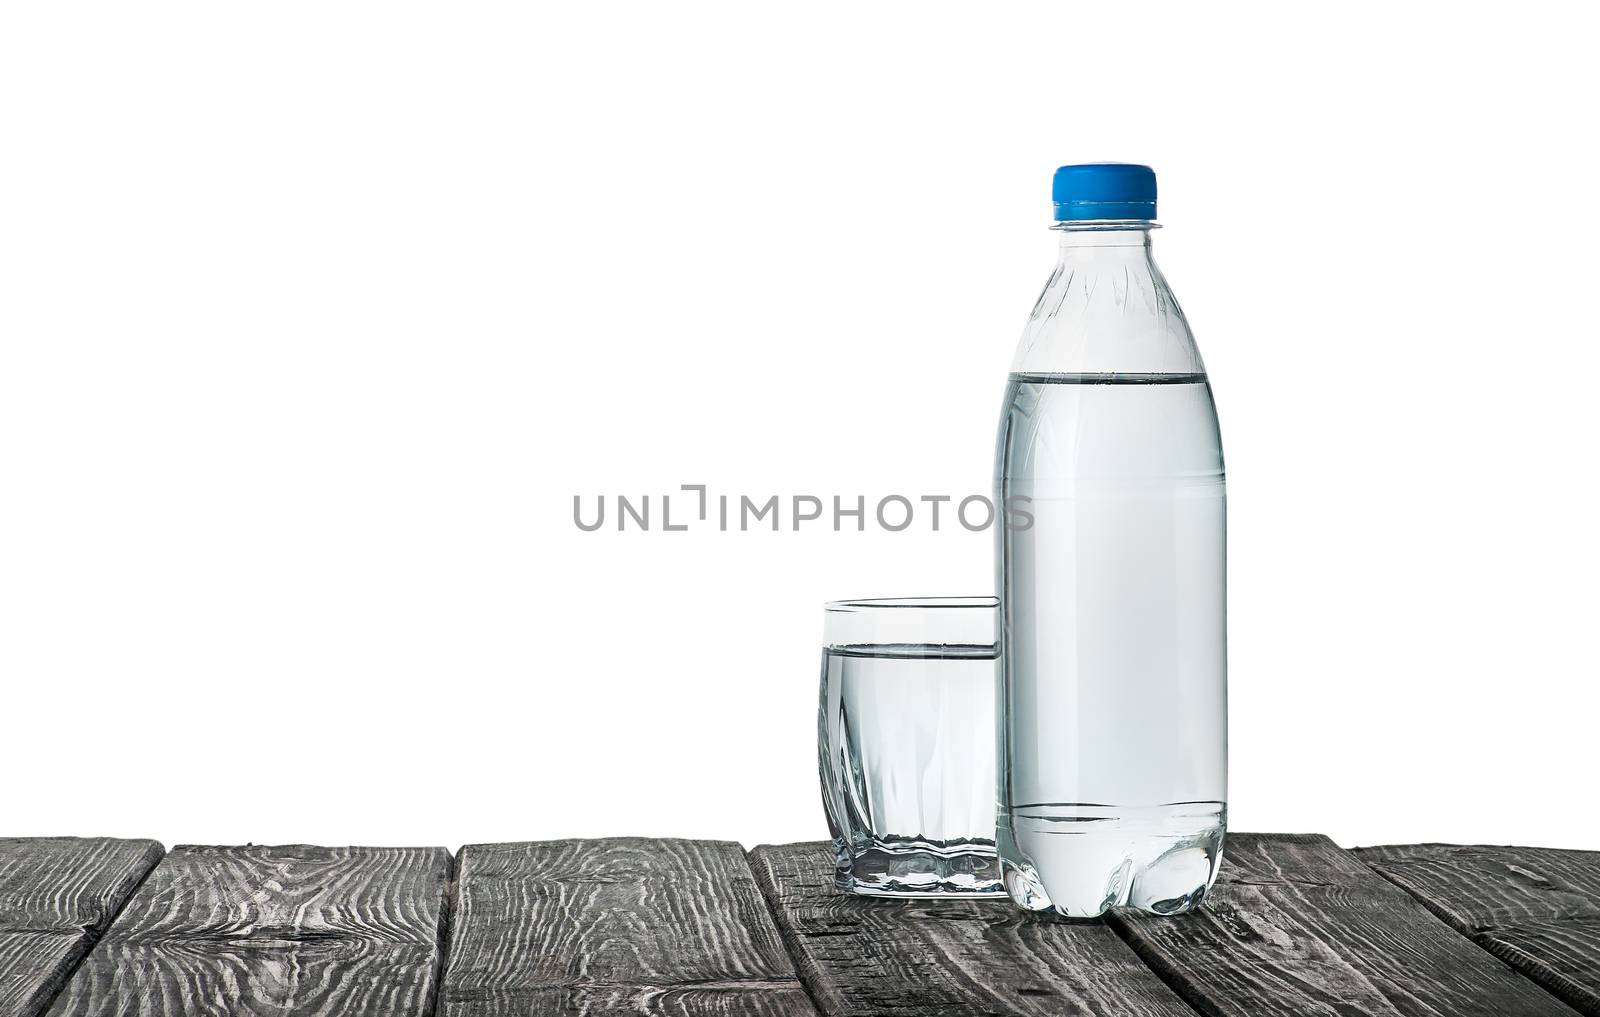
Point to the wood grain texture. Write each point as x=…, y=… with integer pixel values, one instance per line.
x=861, y=955
x=57, y=895
x=615, y=926
x=1536, y=908
x=1297, y=925
x=312, y=931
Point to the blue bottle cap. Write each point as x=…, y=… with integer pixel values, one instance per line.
x=1104, y=190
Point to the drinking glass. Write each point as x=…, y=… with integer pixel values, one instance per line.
x=906, y=745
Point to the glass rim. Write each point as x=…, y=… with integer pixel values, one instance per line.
x=915, y=603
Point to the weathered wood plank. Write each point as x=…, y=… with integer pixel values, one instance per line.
x=1536, y=908
x=951, y=958
x=1297, y=925
x=309, y=931
x=615, y=926
x=57, y=894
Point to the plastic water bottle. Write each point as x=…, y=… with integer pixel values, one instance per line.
x=1113, y=693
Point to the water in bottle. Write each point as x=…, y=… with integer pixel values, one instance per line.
x=1113, y=688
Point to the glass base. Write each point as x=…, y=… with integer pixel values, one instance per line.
x=919, y=869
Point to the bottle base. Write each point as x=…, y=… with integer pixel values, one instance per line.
x=1079, y=861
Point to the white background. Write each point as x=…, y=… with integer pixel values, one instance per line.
x=315, y=317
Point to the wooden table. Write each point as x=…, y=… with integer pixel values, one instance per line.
x=1296, y=925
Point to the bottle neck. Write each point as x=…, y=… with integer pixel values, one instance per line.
x=1107, y=238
